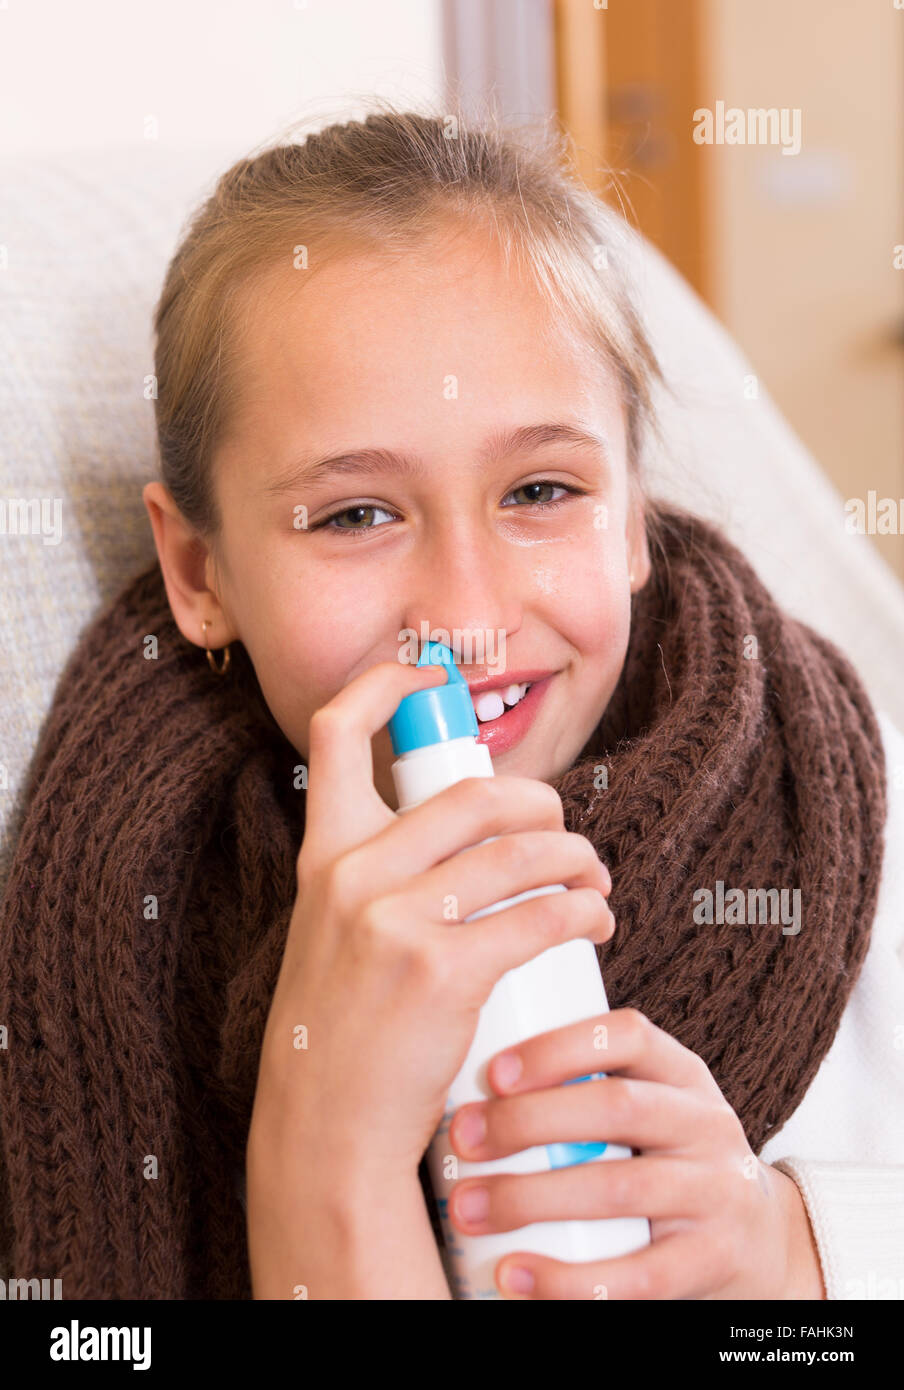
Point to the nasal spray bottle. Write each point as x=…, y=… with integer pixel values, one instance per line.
x=434, y=732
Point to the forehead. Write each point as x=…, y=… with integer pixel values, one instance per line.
x=410, y=349
x=450, y=303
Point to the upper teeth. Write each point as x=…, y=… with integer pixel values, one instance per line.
x=492, y=704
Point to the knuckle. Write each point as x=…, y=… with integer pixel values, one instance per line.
x=485, y=792
x=596, y=907
x=555, y=913
x=620, y=1098
x=593, y=906
x=579, y=843
x=417, y=960
x=565, y=916
x=538, y=799
x=552, y=800
x=312, y=876
x=321, y=725
x=513, y=1200
x=344, y=878
x=496, y=795
x=514, y=852
x=491, y=789
x=727, y=1120
x=621, y=1188
x=370, y=921
x=415, y=955
x=707, y=1080
x=637, y=1027
x=428, y=966
x=582, y=847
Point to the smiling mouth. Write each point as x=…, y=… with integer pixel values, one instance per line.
x=492, y=704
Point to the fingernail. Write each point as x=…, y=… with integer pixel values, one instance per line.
x=508, y=1068
x=474, y=1203
x=519, y=1280
x=471, y=1128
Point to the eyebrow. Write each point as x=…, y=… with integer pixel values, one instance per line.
x=363, y=462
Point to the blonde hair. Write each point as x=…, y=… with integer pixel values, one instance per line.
x=386, y=182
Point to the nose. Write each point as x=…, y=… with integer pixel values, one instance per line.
x=463, y=582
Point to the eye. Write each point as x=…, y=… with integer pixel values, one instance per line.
x=359, y=513
x=550, y=503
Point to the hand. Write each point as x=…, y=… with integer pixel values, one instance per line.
x=723, y=1224
x=380, y=988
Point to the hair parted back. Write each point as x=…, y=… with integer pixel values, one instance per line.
x=387, y=182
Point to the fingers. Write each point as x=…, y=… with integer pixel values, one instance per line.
x=641, y=1114
x=623, y=1041
x=510, y=864
x=483, y=875
x=677, y=1266
x=654, y=1187
x=507, y=939
x=343, y=807
x=457, y=818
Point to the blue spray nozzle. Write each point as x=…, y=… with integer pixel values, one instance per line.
x=436, y=715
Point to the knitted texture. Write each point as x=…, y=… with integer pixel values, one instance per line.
x=147, y=907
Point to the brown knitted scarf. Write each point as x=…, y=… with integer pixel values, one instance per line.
x=145, y=915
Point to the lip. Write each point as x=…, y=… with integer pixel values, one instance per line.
x=484, y=683
x=503, y=733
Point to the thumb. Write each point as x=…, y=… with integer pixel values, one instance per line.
x=343, y=807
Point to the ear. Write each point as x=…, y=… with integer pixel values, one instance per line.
x=638, y=551
x=189, y=572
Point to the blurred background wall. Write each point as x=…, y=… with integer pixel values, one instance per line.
x=81, y=73
x=794, y=253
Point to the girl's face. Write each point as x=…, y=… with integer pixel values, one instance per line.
x=463, y=501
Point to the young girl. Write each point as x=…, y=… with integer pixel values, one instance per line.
x=401, y=389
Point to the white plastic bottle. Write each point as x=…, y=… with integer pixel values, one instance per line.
x=435, y=733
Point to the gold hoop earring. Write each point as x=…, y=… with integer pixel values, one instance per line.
x=219, y=670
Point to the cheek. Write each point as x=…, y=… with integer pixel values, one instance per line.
x=585, y=591
x=305, y=637
x=309, y=644
x=592, y=612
